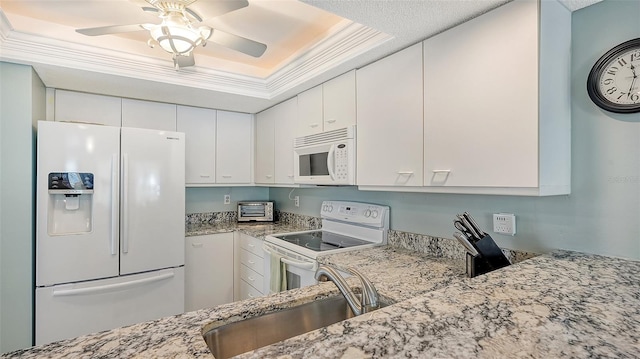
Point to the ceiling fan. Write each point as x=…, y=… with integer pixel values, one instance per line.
x=177, y=34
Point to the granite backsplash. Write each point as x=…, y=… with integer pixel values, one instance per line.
x=433, y=246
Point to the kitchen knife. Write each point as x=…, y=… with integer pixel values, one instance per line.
x=476, y=236
x=465, y=243
x=474, y=224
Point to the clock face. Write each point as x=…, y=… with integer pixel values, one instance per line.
x=614, y=81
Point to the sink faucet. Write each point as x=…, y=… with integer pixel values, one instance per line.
x=369, y=297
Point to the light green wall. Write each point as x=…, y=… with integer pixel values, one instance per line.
x=602, y=214
x=22, y=99
x=203, y=200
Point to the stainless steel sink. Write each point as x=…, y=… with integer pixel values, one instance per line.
x=253, y=333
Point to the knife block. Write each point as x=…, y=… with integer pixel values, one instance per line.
x=489, y=258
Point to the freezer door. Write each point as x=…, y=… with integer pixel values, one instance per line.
x=152, y=200
x=70, y=310
x=77, y=237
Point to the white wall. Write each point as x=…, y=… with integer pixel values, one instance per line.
x=602, y=214
x=22, y=98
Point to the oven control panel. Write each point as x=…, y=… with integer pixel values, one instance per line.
x=356, y=212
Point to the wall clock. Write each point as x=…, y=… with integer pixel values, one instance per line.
x=614, y=81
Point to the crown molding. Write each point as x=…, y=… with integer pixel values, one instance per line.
x=345, y=42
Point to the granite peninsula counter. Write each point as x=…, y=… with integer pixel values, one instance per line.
x=564, y=304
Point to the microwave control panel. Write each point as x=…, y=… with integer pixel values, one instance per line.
x=341, y=155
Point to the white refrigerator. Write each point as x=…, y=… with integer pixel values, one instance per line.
x=110, y=228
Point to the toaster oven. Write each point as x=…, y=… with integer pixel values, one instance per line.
x=257, y=211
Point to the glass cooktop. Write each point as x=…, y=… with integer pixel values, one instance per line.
x=321, y=241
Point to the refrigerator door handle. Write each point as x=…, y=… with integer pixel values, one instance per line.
x=111, y=287
x=115, y=211
x=125, y=203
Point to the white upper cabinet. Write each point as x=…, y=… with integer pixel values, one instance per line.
x=88, y=108
x=219, y=146
x=389, y=107
x=329, y=106
x=285, y=125
x=339, y=102
x=265, y=146
x=310, y=112
x=496, y=102
x=148, y=114
x=234, y=145
x=199, y=127
x=275, y=131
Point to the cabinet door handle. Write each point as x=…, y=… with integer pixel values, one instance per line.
x=251, y=279
x=268, y=176
x=331, y=121
x=440, y=171
x=226, y=176
x=314, y=125
x=251, y=262
x=196, y=245
x=205, y=176
x=408, y=173
x=250, y=295
x=251, y=245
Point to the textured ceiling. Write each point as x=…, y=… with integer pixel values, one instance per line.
x=145, y=73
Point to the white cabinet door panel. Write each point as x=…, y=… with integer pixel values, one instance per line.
x=208, y=271
x=389, y=107
x=310, y=112
x=481, y=114
x=199, y=127
x=87, y=108
x=265, y=146
x=234, y=147
x=339, y=102
x=285, y=124
x=148, y=114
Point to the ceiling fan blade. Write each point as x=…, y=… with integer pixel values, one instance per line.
x=211, y=9
x=180, y=61
x=238, y=43
x=150, y=9
x=114, y=29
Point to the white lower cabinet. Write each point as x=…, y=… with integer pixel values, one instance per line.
x=209, y=271
x=250, y=276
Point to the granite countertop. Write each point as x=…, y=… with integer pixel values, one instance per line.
x=564, y=304
x=255, y=229
x=560, y=305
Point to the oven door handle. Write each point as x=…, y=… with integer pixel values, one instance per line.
x=300, y=264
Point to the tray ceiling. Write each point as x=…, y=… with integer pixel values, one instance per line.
x=307, y=43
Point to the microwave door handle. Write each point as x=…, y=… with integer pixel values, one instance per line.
x=331, y=162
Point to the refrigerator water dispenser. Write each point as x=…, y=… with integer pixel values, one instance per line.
x=70, y=203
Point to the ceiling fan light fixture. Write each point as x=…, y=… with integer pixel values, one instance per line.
x=177, y=37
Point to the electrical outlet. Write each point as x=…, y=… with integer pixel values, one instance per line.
x=296, y=201
x=227, y=199
x=504, y=223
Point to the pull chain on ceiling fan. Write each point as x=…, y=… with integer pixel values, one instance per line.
x=177, y=35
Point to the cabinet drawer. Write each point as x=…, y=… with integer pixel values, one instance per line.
x=251, y=244
x=248, y=292
x=252, y=261
x=252, y=277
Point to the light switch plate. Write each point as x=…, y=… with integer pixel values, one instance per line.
x=504, y=223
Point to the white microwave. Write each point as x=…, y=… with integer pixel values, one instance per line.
x=326, y=158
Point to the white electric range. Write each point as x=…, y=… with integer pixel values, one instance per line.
x=345, y=226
